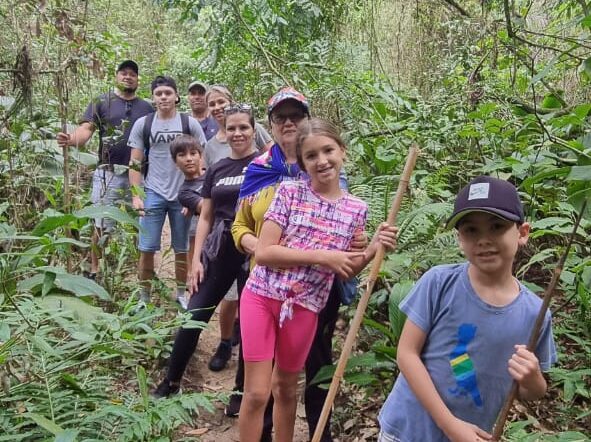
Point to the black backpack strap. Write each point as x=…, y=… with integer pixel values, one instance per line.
x=185, y=123
x=146, y=135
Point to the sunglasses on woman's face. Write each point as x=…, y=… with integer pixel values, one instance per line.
x=295, y=117
x=238, y=108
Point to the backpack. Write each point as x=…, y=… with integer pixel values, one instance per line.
x=148, y=131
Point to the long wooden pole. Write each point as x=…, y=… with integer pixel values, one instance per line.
x=356, y=324
x=537, y=328
x=62, y=110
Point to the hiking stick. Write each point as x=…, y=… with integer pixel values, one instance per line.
x=62, y=111
x=375, y=268
x=537, y=328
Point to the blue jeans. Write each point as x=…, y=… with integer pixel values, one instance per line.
x=156, y=208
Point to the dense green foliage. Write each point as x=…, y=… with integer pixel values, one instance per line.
x=498, y=87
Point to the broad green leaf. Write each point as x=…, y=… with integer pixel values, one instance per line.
x=396, y=316
x=143, y=384
x=4, y=332
x=66, y=436
x=586, y=277
x=107, y=212
x=582, y=173
x=585, y=67
x=82, y=311
x=45, y=423
x=551, y=102
x=48, y=281
x=51, y=223
x=42, y=345
x=76, y=284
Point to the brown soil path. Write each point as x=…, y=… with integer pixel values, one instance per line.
x=214, y=427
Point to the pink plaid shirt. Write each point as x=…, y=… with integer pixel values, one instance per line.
x=309, y=222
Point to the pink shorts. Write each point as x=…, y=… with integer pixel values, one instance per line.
x=263, y=340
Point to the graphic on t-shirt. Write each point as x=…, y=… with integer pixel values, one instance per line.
x=463, y=367
x=165, y=137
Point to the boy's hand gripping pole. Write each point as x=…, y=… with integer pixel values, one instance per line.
x=375, y=268
x=537, y=328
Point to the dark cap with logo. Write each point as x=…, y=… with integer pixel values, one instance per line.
x=490, y=195
x=162, y=80
x=128, y=64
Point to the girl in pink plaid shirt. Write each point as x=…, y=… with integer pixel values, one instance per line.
x=303, y=244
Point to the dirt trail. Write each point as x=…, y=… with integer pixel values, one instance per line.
x=214, y=427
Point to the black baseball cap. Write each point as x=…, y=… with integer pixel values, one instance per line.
x=128, y=64
x=162, y=80
x=490, y=195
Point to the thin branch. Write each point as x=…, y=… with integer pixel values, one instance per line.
x=259, y=44
x=457, y=7
x=578, y=41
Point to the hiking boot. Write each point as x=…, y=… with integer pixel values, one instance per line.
x=221, y=357
x=233, y=407
x=166, y=389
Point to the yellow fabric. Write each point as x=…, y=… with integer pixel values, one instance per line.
x=250, y=216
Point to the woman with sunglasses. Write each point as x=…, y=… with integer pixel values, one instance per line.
x=218, y=97
x=288, y=110
x=210, y=280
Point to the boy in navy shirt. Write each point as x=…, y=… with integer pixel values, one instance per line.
x=463, y=341
x=186, y=153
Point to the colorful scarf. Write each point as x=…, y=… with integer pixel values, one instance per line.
x=267, y=170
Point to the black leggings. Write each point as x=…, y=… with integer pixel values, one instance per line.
x=221, y=273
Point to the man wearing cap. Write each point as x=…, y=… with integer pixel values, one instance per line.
x=162, y=183
x=196, y=97
x=113, y=114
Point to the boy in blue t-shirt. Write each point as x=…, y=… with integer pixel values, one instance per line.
x=463, y=341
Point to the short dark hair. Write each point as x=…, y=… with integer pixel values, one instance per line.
x=163, y=80
x=184, y=143
x=320, y=127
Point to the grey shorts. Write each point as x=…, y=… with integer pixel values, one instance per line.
x=109, y=189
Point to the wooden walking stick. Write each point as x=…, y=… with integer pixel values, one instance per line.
x=62, y=110
x=375, y=268
x=537, y=328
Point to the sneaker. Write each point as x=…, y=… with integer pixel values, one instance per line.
x=220, y=358
x=89, y=275
x=166, y=389
x=144, y=298
x=233, y=407
x=183, y=302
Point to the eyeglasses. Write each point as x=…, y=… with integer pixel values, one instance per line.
x=295, y=117
x=238, y=108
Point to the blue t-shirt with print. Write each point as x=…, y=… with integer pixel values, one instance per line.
x=466, y=352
